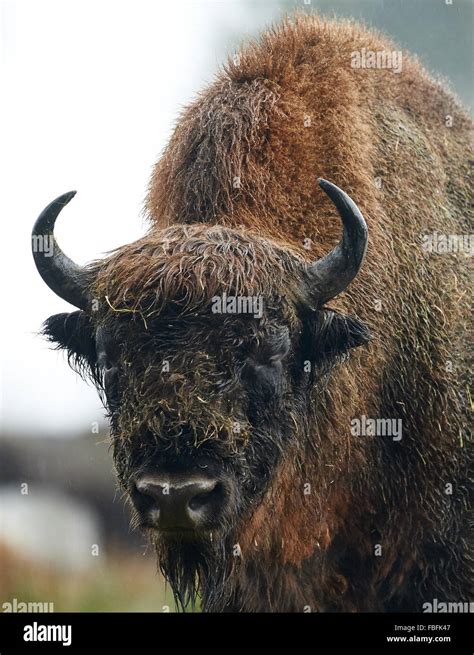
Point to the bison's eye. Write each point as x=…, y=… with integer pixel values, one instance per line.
x=263, y=365
x=107, y=359
x=107, y=350
x=111, y=385
x=262, y=373
x=110, y=375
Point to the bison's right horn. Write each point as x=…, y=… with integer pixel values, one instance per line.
x=60, y=273
x=327, y=277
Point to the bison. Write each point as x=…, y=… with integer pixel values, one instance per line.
x=289, y=425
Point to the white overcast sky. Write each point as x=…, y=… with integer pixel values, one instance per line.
x=90, y=93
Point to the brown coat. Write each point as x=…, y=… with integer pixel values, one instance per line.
x=246, y=154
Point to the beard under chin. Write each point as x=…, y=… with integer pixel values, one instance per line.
x=199, y=567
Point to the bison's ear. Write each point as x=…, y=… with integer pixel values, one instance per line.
x=333, y=335
x=75, y=334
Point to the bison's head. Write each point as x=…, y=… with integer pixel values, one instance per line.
x=206, y=344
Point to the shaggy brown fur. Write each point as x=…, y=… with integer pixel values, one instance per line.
x=364, y=124
x=233, y=202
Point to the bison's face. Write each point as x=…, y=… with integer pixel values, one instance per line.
x=201, y=407
x=205, y=344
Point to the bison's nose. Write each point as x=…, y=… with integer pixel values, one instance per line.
x=178, y=503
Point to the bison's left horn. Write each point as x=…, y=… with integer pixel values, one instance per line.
x=60, y=273
x=327, y=277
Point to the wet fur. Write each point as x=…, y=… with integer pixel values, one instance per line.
x=209, y=235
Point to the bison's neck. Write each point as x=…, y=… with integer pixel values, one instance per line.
x=308, y=547
x=319, y=584
x=345, y=577
x=312, y=544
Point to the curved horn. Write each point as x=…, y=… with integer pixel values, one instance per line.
x=59, y=272
x=327, y=277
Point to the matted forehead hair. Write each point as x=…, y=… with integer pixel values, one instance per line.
x=188, y=265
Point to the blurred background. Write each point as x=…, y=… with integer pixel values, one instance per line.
x=91, y=92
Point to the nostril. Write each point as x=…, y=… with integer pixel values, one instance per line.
x=147, y=491
x=199, y=501
x=147, y=494
x=143, y=500
x=207, y=497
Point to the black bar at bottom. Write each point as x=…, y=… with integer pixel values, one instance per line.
x=435, y=633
